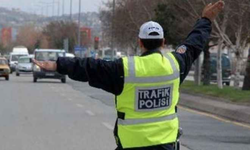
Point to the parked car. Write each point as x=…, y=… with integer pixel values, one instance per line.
x=69, y=55
x=226, y=69
x=47, y=55
x=24, y=65
x=4, y=68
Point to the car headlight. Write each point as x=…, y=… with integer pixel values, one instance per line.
x=36, y=68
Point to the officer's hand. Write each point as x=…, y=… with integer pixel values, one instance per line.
x=47, y=65
x=211, y=11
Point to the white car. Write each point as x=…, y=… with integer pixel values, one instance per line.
x=24, y=65
x=70, y=55
x=17, y=52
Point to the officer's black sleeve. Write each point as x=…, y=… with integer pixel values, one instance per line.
x=106, y=75
x=192, y=47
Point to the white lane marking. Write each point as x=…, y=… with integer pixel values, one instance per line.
x=90, y=113
x=79, y=105
x=107, y=125
x=70, y=99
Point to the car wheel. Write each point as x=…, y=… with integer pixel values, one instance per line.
x=17, y=74
x=63, y=80
x=34, y=79
x=227, y=83
x=7, y=78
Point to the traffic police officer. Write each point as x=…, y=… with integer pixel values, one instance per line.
x=146, y=86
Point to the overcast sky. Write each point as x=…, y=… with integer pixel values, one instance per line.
x=35, y=5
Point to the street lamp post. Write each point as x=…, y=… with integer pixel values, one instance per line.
x=53, y=7
x=79, y=26
x=42, y=11
x=58, y=9
x=71, y=10
x=112, y=32
x=47, y=7
x=62, y=7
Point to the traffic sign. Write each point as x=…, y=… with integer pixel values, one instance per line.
x=80, y=48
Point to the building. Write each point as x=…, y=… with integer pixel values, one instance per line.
x=6, y=36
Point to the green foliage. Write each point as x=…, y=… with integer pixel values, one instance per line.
x=228, y=93
x=164, y=15
x=176, y=19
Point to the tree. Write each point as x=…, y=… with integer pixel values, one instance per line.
x=175, y=18
x=29, y=36
x=206, y=66
x=246, y=85
x=231, y=28
x=236, y=34
x=56, y=32
x=129, y=16
x=166, y=15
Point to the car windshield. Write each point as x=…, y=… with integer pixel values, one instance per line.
x=226, y=62
x=16, y=57
x=24, y=60
x=3, y=62
x=47, y=56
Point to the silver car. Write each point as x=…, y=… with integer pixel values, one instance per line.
x=24, y=65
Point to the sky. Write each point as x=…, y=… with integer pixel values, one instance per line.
x=35, y=6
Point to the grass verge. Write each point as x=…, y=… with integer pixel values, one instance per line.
x=228, y=93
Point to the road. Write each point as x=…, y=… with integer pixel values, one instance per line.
x=49, y=115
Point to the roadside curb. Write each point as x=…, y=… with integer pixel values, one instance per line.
x=234, y=112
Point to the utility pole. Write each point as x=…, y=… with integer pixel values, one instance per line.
x=58, y=8
x=79, y=26
x=112, y=32
x=42, y=11
x=71, y=10
x=63, y=7
x=47, y=5
x=47, y=10
x=53, y=8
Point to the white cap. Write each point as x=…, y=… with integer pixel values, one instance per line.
x=151, y=27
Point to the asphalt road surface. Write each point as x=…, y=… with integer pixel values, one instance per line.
x=49, y=115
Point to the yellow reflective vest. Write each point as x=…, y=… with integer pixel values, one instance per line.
x=148, y=101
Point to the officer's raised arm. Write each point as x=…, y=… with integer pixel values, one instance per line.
x=197, y=39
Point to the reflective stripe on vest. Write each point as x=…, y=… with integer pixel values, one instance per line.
x=133, y=79
x=142, y=121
